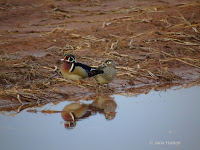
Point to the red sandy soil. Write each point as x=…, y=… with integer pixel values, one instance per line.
x=153, y=43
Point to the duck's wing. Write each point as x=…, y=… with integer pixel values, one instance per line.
x=92, y=71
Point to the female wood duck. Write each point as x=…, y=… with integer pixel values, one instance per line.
x=76, y=71
x=109, y=72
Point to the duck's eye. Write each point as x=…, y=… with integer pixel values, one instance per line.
x=108, y=62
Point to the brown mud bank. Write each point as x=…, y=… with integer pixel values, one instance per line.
x=155, y=44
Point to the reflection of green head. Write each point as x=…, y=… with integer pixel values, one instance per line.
x=70, y=124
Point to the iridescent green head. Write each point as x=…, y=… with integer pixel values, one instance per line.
x=69, y=58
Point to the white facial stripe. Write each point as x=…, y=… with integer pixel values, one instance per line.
x=72, y=66
x=71, y=59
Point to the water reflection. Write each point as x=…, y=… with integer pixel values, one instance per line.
x=72, y=112
x=102, y=104
x=153, y=121
x=106, y=105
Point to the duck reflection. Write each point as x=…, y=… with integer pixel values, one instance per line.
x=102, y=104
x=106, y=105
x=72, y=112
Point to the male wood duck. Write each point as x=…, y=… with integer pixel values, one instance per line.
x=109, y=72
x=76, y=71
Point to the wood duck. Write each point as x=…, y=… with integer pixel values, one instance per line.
x=76, y=71
x=74, y=111
x=109, y=72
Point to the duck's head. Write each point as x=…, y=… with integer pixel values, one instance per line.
x=69, y=58
x=108, y=63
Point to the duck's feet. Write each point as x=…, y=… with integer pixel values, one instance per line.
x=78, y=83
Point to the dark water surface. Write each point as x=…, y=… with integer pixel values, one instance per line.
x=167, y=120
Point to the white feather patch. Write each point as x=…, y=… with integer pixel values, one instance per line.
x=93, y=69
x=72, y=67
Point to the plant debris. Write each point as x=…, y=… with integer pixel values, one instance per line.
x=152, y=44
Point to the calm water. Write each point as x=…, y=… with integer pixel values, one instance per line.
x=157, y=121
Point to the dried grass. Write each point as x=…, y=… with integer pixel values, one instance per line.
x=30, y=82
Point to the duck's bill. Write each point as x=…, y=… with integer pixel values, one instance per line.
x=102, y=66
x=62, y=59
